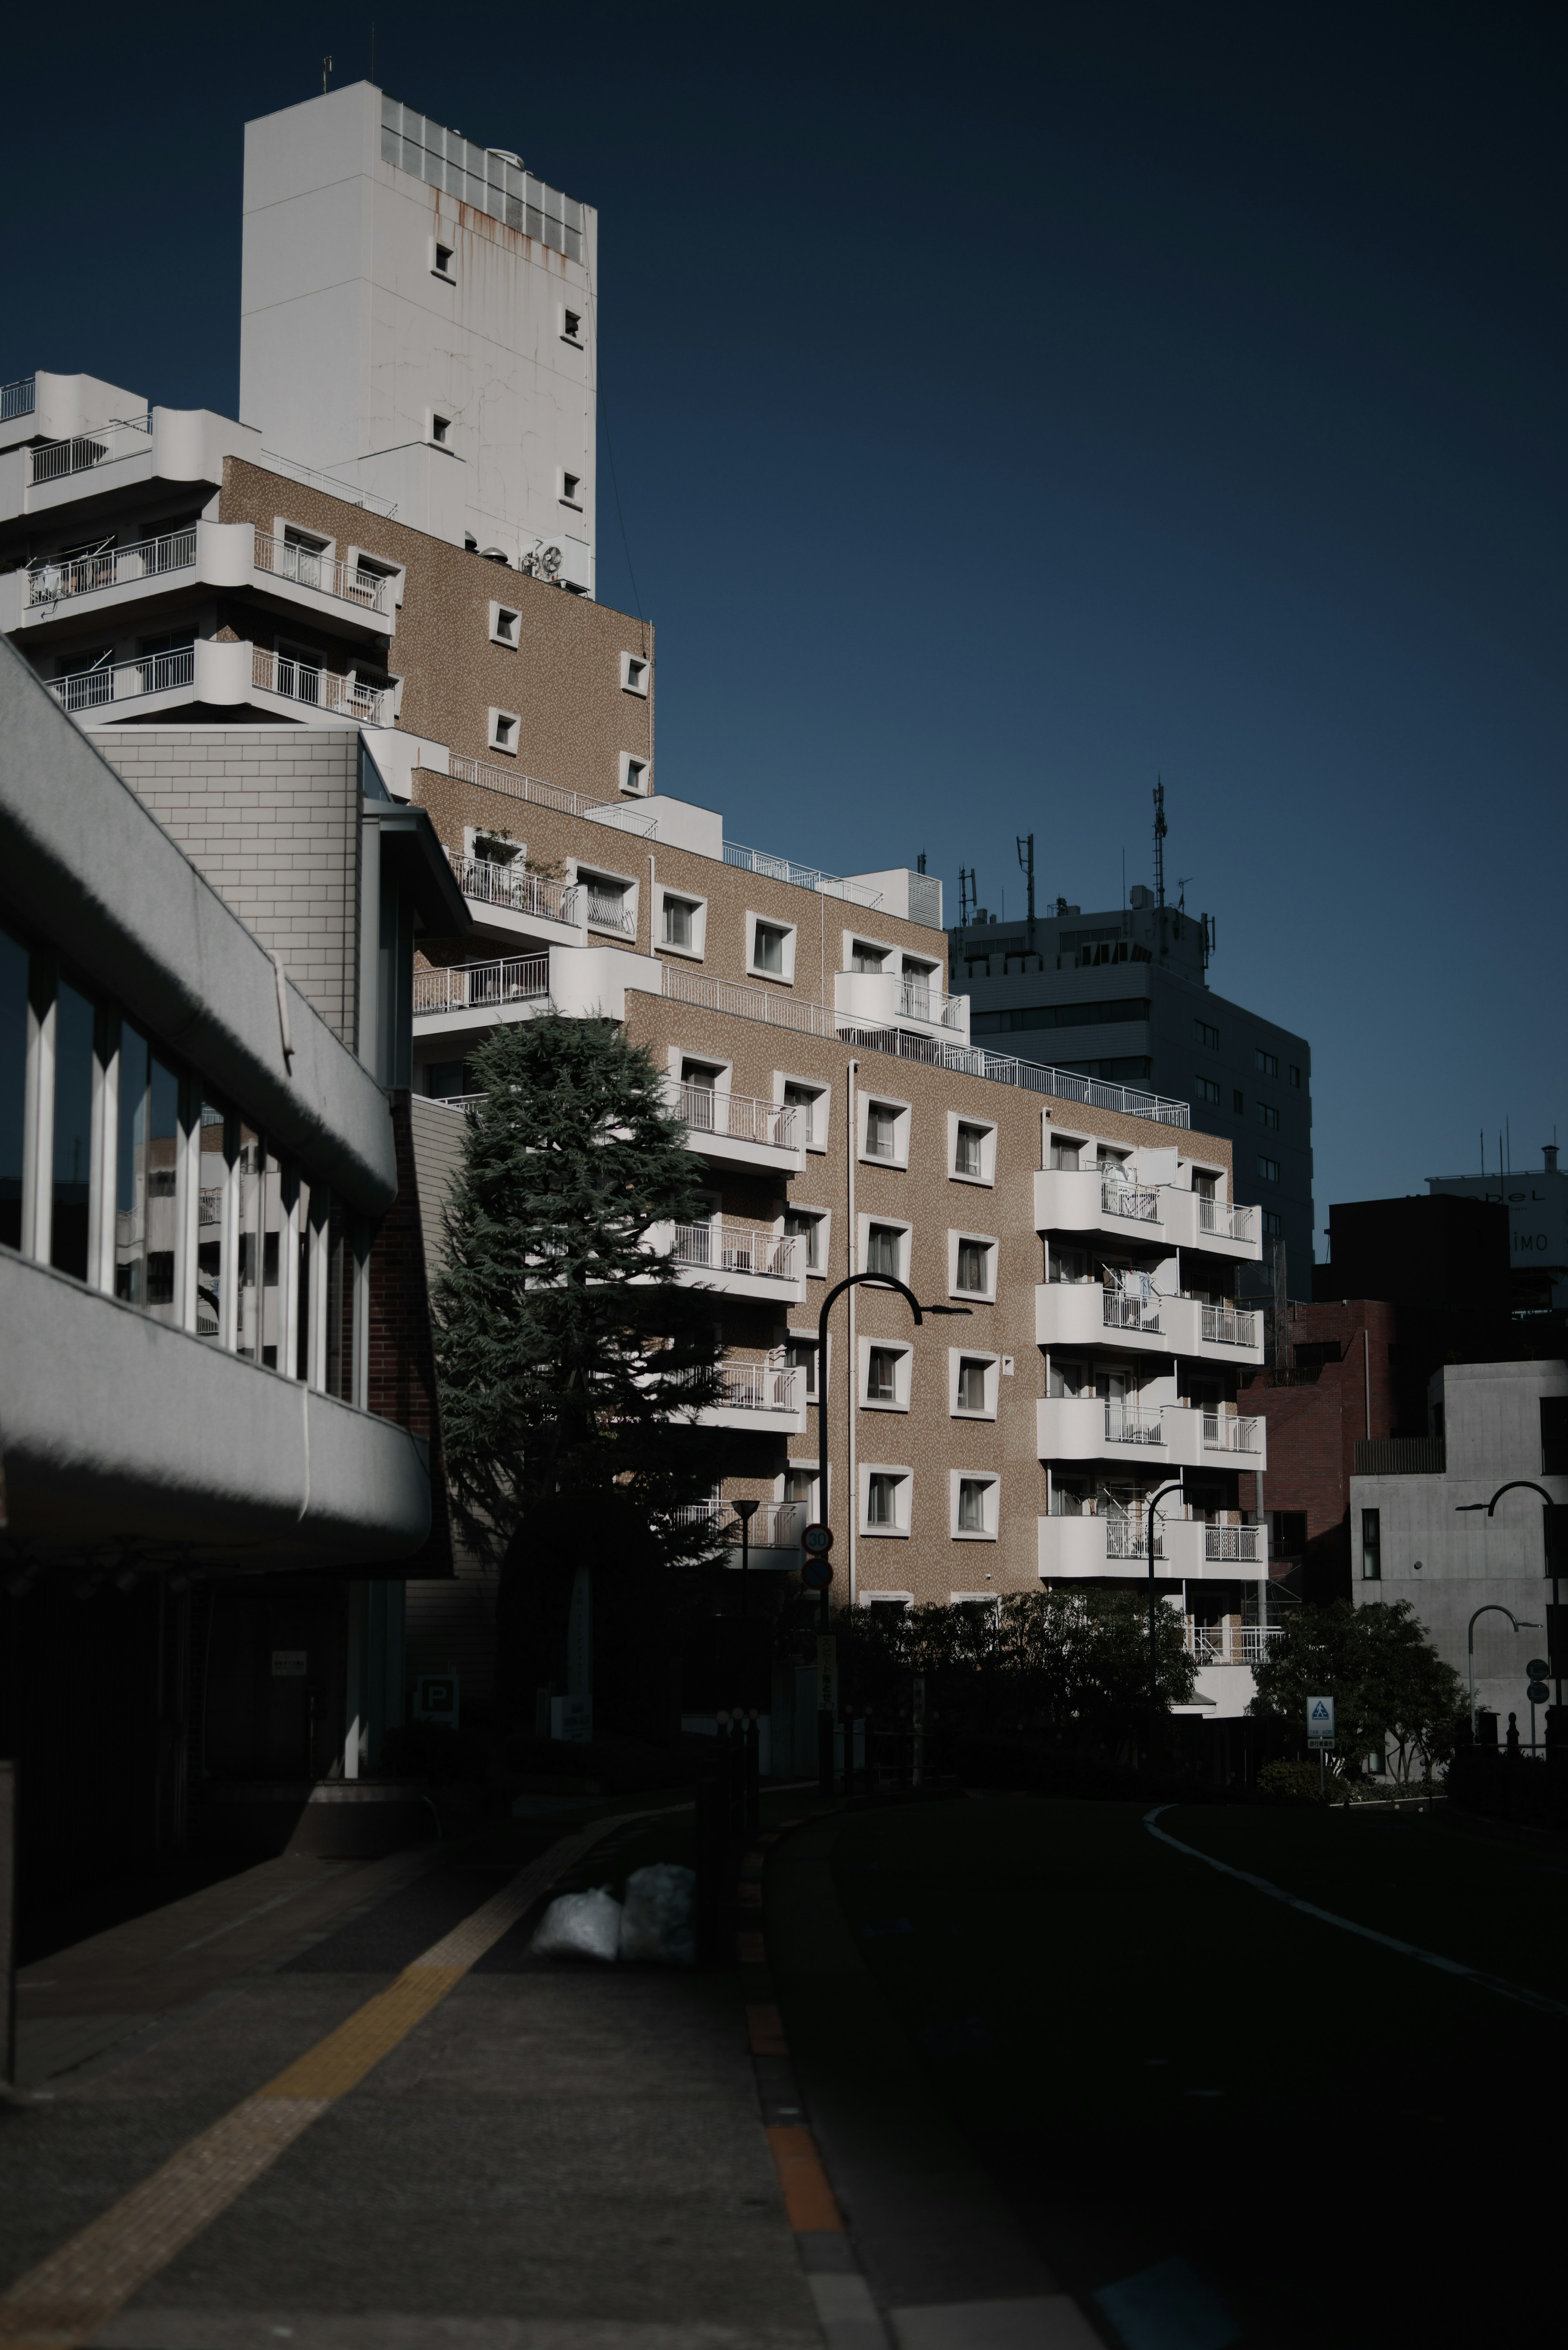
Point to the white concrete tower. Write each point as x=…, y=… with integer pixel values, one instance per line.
x=417, y=315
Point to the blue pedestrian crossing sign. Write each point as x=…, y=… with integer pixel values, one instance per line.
x=1320, y=1720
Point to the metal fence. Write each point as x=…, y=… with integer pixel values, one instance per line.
x=322, y=688
x=1237, y=1546
x=1230, y=1433
x=1229, y=1644
x=741, y=1117
x=18, y=399
x=804, y=877
x=515, y=888
x=1127, y=1425
x=736, y=1248
x=1140, y=1207
x=311, y=475
x=1225, y=1221
x=1119, y=1313
x=1225, y=1327
x=307, y=566
x=111, y=567
x=476, y=986
x=95, y=689
x=122, y=437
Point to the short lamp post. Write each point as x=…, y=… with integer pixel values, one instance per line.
x=1549, y=1520
x=1492, y=1607
x=745, y=1512
x=850, y=1281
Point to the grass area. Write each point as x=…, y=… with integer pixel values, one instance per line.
x=1157, y=2061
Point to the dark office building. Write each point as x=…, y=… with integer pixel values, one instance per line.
x=1125, y=996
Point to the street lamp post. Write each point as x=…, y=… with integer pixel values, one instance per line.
x=881, y=1281
x=1554, y=1720
x=745, y=1512
x=1153, y=1500
x=1520, y=1624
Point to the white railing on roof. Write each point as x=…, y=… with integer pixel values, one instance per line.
x=780, y=1007
x=1131, y=1200
x=1119, y=1313
x=122, y=436
x=110, y=566
x=1225, y=1327
x=476, y=986
x=514, y=887
x=1229, y=1644
x=322, y=688
x=740, y=1116
x=18, y=399
x=1228, y=1431
x=305, y=566
x=1237, y=1546
x=1125, y=1424
x=112, y=681
x=804, y=877
x=1227, y=1222
x=271, y=462
x=723, y=1247
x=523, y=788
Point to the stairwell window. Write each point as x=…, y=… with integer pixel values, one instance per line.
x=572, y=490
x=1372, y=1545
x=504, y=728
x=442, y=265
x=440, y=432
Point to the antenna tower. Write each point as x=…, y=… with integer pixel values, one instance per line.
x=1159, y=843
x=1026, y=859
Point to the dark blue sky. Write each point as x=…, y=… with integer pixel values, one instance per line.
x=1006, y=409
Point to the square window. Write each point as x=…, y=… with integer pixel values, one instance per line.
x=1268, y=1115
x=974, y=1267
x=974, y=1385
x=881, y=1131
x=1209, y=1091
x=611, y=905
x=634, y=673
x=1207, y=1036
x=1237, y=1100
x=882, y=1374
x=443, y=259
x=1269, y=1168
x=769, y=948
x=440, y=432
x=972, y=1150
x=571, y=326
x=885, y=1251
x=972, y=1492
x=885, y=1501
x=681, y=918
x=571, y=490
x=863, y=956
x=1267, y=1062
x=504, y=725
x=634, y=774
x=505, y=626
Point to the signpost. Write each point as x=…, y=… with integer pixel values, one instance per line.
x=1537, y=1692
x=1319, y=1734
x=435, y=1698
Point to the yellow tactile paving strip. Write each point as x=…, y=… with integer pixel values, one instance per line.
x=59, y=2304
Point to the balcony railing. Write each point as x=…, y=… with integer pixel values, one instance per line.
x=114, y=681
x=804, y=877
x=776, y=1525
x=1225, y=1432
x=1225, y=1327
x=1225, y=1221
x=1129, y=1538
x=1229, y=1644
x=476, y=986
x=1125, y=1424
x=1119, y=1313
x=740, y=1116
x=492, y=778
x=608, y=910
x=514, y=887
x=321, y=688
x=1235, y=1546
x=758, y=1387
x=1129, y=1200
x=304, y=566
x=736, y=1248
x=919, y=1001
x=122, y=437
x=18, y=399
x=111, y=567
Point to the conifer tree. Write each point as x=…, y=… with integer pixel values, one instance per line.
x=568, y=1351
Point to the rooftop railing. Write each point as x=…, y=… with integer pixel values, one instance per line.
x=477, y=986
x=515, y=888
x=305, y=566
x=1228, y=1431
x=1224, y=1327
x=110, y=566
x=492, y=778
x=19, y=398
x=736, y=1248
x=115, y=681
x=271, y=462
x=122, y=437
x=321, y=688
x=740, y=1116
x=1225, y=1221
x=804, y=877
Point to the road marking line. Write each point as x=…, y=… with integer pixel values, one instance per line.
x=809, y=2201
x=65, y=2297
x=1520, y=1993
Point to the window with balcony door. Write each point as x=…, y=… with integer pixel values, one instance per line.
x=1065, y=1154
x=863, y=956
x=885, y=1251
x=698, y=1094
x=610, y=903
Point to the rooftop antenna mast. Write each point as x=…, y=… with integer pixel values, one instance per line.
x=1026, y=859
x=968, y=896
x=1160, y=842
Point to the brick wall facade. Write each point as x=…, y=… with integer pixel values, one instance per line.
x=1315, y=1425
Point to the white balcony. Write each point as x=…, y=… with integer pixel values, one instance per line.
x=738, y=1130
x=1213, y=1225
x=1196, y=1439
x=478, y=994
x=88, y=459
x=1215, y=1334
x=764, y=1398
x=774, y=1544
x=226, y=676
x=208, y=554
x=1236, y=1547
x=1227, y=1643
x=1084, y=1314
x=1087, y=1428
x=505, y=898
x=738, y=1260
x=1088, y=1201
x=889, y=999
x=1109, y=1547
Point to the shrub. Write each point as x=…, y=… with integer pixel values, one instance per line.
x=1289, y=1783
